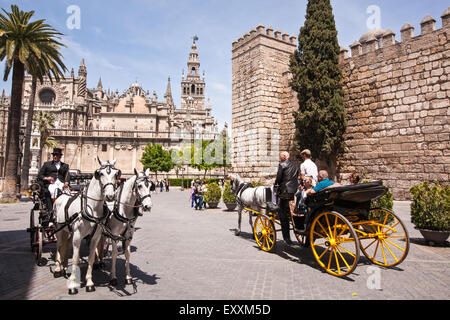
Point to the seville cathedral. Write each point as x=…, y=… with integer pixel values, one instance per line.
x=112, y=124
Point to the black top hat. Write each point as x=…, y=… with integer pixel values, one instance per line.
x=57, y=151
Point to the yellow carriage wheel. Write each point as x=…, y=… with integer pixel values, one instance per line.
x=334, y=243
x=265, y=233
x=385, y=240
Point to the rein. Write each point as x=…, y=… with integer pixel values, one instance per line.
x=127, y=221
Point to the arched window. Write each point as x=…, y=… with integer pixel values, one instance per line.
x=193, y=89
x=184, y=90
x=47, y=95
x=193, y=71
x=201, y=90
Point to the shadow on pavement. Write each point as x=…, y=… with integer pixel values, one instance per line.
x=17, y=264
x=295, y=253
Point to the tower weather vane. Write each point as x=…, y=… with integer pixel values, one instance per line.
x=195, y=38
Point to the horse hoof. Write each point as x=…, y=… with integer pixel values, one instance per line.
x=129, y=281
x=57, y=274
x=73, y=291
x=113, y=282
x=90, y=288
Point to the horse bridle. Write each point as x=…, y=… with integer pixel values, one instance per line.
x=140, y=199
x=108, y=168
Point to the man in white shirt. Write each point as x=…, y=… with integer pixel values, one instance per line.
x=308, y=167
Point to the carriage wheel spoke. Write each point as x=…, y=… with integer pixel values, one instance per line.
x=342, y=257
x=337, y=261
x=376, y=248
x=384, y=255
x=328, y=223
x=347, y=251
x=323, y=253
x=329, y=260
x=370, y=244
x=335, y=224
x=328, y=236
x=320, y=235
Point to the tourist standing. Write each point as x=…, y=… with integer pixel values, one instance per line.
x=286, y=184
x=308, y=168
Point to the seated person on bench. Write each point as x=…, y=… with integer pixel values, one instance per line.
x=324, y=183
x=301, y=192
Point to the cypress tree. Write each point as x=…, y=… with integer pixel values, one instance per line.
x=316, y=77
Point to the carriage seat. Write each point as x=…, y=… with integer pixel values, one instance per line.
x=272, y=207
x=360, y=193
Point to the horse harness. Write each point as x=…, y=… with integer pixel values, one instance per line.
x=128, y=221
x=84, y=214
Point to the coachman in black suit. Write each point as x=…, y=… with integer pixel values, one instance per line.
x=50, y=171
x=286, y=185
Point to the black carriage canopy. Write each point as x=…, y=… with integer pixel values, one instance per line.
x=360, y=193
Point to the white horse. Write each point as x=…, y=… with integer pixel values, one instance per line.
x=80, y=215
x=246, y=196
x=133, y=199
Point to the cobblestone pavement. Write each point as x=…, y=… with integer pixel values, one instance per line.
x=181, y=253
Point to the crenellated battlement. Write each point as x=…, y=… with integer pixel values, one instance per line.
x=397, y=100
x=375, y=40
x=262, y=31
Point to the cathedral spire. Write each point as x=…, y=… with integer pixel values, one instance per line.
x=82, y=69
x=192, y=86
x=100, y=85
x=168, y=95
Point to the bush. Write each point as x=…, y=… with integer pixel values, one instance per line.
x=385, y=202
x=213, y=192
x=176, y=182
x=228, y=196
x=430, y=208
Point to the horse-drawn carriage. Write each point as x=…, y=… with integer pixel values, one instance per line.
x=337, y=224
x=42, y=223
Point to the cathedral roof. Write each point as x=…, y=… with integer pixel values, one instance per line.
x=138, y=105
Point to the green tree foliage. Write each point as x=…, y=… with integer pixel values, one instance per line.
x=316, y=77
x=156, y=159
x=430, y=208
x=203, y=155
x=31, y=46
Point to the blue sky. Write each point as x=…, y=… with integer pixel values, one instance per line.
x=148, y=41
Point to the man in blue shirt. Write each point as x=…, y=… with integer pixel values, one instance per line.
x=324, y=183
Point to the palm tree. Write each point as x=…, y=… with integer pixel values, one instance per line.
x=45, y=68
x=28, y=46
x=45, y=121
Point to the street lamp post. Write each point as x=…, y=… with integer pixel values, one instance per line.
x=19, y=174
x=182, y=180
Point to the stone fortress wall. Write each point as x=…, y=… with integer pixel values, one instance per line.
x=261, y=99
x=397, y=97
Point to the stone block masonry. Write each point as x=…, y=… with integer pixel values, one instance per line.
x=261, y=99
x=397, y=101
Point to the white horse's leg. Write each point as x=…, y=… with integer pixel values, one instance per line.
x=113, y=278
x=90, y=287
x=250, y=220
x=60, y=239
x=73, y=285
x=99, y=254
x=238, y=231
x=128, y=278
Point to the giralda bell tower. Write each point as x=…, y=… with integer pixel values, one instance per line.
x=193, y=86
